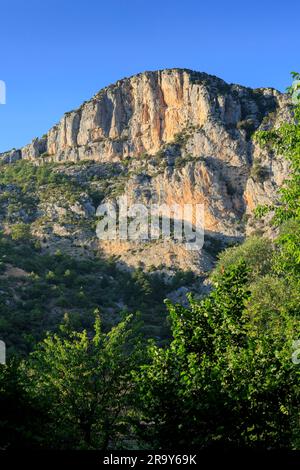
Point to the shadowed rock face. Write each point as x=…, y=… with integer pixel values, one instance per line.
x=185, y=137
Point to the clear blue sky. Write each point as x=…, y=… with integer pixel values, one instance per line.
x=56, y=54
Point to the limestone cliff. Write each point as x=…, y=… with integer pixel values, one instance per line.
x=177, y=136
x=141, y=113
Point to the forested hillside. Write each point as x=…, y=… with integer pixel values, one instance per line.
x=96, y=360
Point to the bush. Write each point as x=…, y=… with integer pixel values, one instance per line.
x=20, y=231
x=257, y=253
x=258, y=172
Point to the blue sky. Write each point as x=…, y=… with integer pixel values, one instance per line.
x=56, y=54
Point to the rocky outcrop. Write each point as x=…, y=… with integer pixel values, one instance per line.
x=141, y=113
x=177, y=136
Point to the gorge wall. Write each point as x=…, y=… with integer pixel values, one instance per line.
x=173, y=136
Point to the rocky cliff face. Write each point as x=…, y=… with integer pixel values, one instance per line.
x=175, y=136
x=141, y=113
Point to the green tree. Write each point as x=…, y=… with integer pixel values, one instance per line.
x=20, y=231
x=286, y=141
x=226, y=379
x=85, y=383
x=21, y=420
x=257, y=252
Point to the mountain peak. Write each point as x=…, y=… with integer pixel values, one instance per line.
x=142, y=113
x=175, y=136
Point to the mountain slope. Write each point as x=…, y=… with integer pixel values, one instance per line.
x=173, y=136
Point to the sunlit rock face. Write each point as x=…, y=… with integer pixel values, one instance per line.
x=141, y=113
x=180, y=137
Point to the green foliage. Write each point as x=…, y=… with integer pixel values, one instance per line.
x=256, y=252
x=20, y=231
x=226, y=379
x=273, y=297
x=59, y=283
x=74, y=391
x=85, y=383
x=258, y=172
x=261, y=210
x=286, y=140
x=21, y=420
x=287, y=261
x=249, y=126
x=181, y=138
